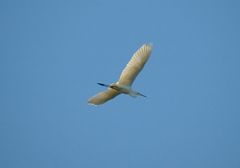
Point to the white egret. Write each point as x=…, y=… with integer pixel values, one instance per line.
x=123, y=85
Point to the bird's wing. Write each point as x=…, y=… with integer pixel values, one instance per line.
x=135, y=65
x=104, y=96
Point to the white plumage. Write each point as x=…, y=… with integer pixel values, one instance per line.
x=127, y=77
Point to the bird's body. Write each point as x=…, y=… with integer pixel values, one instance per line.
x=125, y=89
x=128, y=75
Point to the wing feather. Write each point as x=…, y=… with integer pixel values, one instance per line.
x=104, y=96
x=135, y=65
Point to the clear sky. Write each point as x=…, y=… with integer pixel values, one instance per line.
x=52, y=54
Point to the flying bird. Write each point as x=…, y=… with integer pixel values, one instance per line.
x=127, y=77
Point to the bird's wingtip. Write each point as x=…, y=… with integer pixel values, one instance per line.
x=91, y=104
x=150, y=44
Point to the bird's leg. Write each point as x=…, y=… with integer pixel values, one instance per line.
x=140, y=94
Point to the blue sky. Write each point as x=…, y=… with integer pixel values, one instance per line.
x=54, y=52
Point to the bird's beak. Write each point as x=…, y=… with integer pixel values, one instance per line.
x=101, y=84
